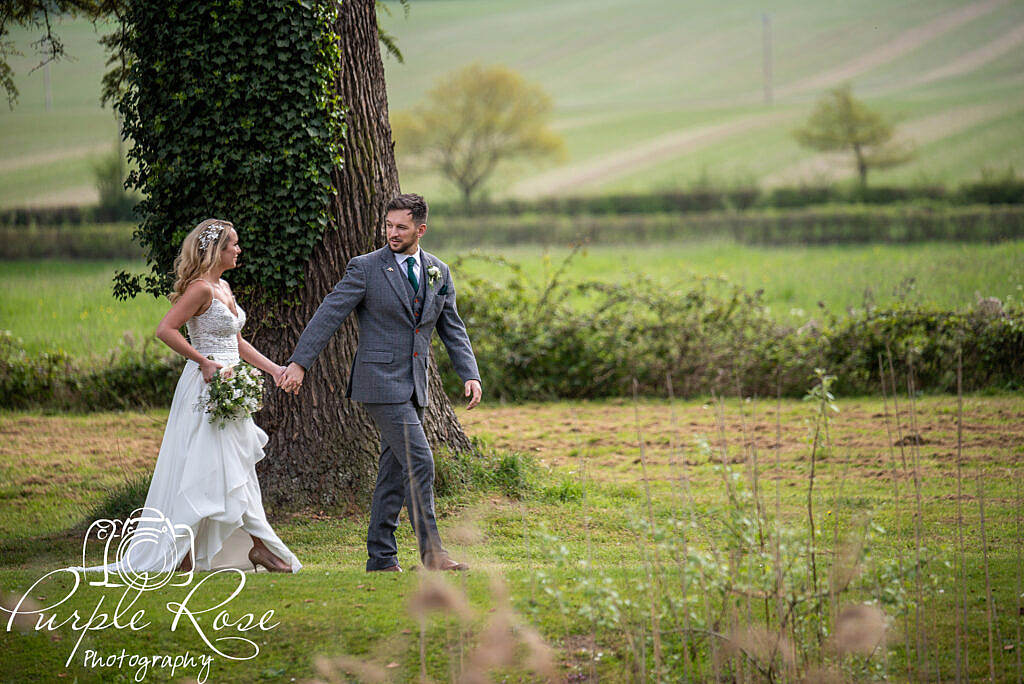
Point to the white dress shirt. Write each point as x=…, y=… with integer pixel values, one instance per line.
x=417, y=269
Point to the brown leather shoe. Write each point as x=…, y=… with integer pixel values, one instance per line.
x=444, y=562
x=393, y=568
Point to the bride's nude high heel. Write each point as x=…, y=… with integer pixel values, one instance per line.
x=261, y=556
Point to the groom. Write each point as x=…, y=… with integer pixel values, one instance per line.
x=400, y=294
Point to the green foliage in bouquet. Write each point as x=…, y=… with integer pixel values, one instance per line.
x=236, y=392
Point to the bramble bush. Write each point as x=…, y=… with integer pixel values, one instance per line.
x=585, y=340
x=91, y=241
x=130, y=378
x=561, y=339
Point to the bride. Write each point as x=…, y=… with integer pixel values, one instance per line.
x=204, y=483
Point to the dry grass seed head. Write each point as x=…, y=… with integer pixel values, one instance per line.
x=539, y=656
x=823, y=676
x=465, y=534
x=467, y=531
x=497, y=648
x=331, y=668
x=860, y=629
x=847, y=565
x=437, y=595
x=762, y=645
x=22, y=622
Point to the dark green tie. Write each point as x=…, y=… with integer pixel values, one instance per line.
x=410, y=262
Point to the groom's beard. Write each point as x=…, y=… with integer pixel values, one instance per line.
x=402, y=247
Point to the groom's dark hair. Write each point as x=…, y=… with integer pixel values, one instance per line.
x=411, y=202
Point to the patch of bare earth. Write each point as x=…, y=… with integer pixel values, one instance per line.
x=41, y=450
x=607, y=436
x=38, y=451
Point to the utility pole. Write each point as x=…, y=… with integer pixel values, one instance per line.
x=766, y=31
x=46, y=86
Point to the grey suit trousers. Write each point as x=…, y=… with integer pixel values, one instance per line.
x=405, y=476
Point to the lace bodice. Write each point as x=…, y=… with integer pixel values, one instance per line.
x=215, y=331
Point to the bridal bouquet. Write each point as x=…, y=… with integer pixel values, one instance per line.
x=236, y=392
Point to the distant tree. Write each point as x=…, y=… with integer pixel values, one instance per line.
x=474, y=119
x=841, y=122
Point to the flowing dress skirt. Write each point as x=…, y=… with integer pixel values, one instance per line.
x=204, y=495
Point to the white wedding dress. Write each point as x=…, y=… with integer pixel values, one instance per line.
x=204, y=495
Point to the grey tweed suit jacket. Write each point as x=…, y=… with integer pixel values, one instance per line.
x=390, y=366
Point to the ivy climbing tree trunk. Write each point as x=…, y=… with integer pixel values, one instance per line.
x=272, y=114
x=323, y=447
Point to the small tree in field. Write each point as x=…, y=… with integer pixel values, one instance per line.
x=474, y=119
x=842, y=122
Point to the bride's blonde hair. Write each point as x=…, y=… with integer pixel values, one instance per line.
x=199, y=253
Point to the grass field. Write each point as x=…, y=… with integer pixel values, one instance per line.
x=647, y=96
x=581, y=523
x=68, y=305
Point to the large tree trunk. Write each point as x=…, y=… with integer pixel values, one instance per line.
x=323, y=447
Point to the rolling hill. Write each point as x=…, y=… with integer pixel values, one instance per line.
x=649, y=94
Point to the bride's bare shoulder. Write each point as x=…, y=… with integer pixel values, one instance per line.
x=200, y=292
x=199, y=287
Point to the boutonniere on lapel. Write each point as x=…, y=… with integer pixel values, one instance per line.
x=433, y=275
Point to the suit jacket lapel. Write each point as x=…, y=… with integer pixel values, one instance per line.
x=395, y=279
x=428, y=295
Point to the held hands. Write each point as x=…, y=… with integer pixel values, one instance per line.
x=291, y=379
x=473, y=388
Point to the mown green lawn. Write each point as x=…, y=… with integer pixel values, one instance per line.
x=581, y=521
x=68, y=305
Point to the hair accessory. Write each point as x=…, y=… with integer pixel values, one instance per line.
x=211, y=233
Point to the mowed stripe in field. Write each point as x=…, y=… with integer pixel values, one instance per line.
x=975, y=59
x=78, y=195
x=906, y=42
x=27, y=161
x=616, y=164
x=835, y=165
